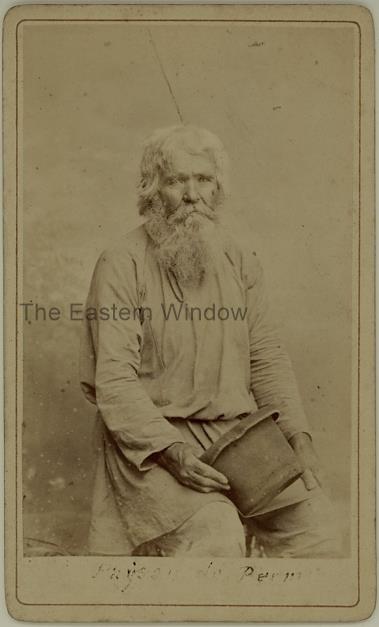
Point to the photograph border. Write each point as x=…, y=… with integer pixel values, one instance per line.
x=12, y=177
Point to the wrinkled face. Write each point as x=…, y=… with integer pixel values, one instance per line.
x=188, y=186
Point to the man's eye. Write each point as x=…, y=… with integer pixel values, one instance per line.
x=171, y=181
x=204, y=179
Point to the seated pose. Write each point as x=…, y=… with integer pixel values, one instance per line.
x=177, y=349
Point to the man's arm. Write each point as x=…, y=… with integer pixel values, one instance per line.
x=272, y=378
x=137, y=425
x=271, y=374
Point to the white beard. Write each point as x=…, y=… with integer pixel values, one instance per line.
x=183, y=242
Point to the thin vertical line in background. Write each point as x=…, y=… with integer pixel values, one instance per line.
x=152, y=42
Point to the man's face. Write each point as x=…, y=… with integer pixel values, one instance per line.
x=183, y=220
x=188, y=186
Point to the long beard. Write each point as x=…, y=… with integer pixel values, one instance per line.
x=183, y=242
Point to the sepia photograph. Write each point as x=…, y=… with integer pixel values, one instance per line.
x=193, y=218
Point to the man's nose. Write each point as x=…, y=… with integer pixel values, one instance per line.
x=191, y=195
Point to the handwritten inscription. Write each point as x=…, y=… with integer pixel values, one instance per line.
x=261, y=576
x=125, y=578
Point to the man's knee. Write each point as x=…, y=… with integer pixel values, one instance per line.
x=223, y=531
x=215, y=530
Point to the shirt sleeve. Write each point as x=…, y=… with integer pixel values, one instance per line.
x=137, y=425
x=272, y=378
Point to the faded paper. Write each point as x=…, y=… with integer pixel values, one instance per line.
x=289, y=90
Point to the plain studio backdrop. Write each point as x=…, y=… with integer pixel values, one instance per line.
x=283, y=99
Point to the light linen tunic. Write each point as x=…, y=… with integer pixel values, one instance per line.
x=169, y=374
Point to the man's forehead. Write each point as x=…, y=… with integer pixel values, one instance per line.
x=181, y=160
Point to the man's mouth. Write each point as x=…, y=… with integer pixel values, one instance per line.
x=189, y=219
x=186, y=216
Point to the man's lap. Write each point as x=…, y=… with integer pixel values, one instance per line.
x=304, y=529
x=131, y=508
x=215, y=530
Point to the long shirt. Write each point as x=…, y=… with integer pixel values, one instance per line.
x=161, y=360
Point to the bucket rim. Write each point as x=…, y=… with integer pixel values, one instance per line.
x=233, y=435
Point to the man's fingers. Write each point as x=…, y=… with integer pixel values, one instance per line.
x=212, y=483
x=195, y=484
x=198, y=481
x=309, y=479
x=194, y=473
x=205, y=482
x=208, y=471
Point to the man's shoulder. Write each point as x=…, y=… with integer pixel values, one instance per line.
x=124, y=260
x=130, y=246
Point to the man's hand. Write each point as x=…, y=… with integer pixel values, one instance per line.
x=181, y=461
x=303, y=447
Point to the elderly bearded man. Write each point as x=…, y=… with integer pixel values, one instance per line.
x=167, y=386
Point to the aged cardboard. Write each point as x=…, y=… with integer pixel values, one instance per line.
x=289, y=89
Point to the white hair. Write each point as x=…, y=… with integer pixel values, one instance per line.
x=157, y=154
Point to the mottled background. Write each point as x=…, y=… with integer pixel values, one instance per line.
x=282, y=98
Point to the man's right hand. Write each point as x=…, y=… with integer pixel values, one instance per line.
x=182, y=461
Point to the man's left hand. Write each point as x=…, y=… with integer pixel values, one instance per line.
x=303, y=448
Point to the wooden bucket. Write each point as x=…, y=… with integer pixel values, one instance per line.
x=256, y=458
